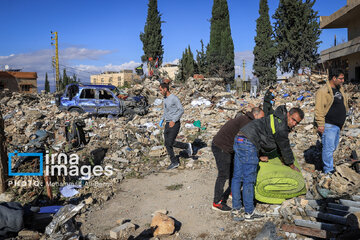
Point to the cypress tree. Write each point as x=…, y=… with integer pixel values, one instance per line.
x=152, y=37
x=65, y=79
x=264, y=50
x=189, y=63
x=297, y=33
x=186, y=65
x=201, y=60
x=220, y=53
x=47, y=84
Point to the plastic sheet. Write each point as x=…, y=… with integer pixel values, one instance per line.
x=61, y=217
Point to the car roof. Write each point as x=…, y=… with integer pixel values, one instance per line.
x=111, y=87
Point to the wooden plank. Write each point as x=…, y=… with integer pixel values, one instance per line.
x=318, y=225
x=327, y=217
x=307, y=231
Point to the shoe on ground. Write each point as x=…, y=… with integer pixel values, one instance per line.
x=173, y=166
x=238, y=215
x=189, y=150
x=220, y=206
x=254, y=216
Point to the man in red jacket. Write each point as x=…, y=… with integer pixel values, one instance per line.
x=222, y=148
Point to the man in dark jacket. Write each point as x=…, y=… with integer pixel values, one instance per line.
x=258, y=138
x=222, y=148
x=269, y=101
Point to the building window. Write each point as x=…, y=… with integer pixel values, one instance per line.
x=110, y=79
x=102, y=80
x=25, y=88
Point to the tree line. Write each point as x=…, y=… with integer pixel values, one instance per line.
x=290, y=45
x=64, y=80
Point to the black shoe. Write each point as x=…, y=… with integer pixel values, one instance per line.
x=220, y=206
x=172, y=166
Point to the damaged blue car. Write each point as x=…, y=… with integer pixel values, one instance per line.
x=101, y=100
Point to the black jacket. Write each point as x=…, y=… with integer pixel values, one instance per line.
x=259, y=132
x=224, y=139
x=268, y=97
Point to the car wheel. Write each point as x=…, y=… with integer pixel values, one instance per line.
x=78, y=110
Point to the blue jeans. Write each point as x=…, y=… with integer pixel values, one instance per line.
x=330, y=141
x=245, y=171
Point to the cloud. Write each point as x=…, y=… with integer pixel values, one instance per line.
x=40, y=61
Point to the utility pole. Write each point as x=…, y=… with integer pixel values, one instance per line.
x=244, y=80
x=54, y=37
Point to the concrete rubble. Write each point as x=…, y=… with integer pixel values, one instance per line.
x=135, y=148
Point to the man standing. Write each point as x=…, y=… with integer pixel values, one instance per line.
x=269, y=101
x=222, y=148
x=331, y=105
x=256, y=139
x=254, y=85
x=173, y=111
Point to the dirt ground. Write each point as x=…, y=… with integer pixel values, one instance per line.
x=189, y=204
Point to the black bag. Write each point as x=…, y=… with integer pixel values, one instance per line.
x=74, y=132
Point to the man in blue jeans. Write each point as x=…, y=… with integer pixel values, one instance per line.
x=252, y=142
x=331, y=106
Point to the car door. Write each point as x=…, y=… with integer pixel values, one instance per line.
x=87, y=100
x=108, y=103
x=67, y=99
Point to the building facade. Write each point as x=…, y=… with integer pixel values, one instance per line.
x=114, y=78
x=170, y=70
x=345, y=56
x=16, y=81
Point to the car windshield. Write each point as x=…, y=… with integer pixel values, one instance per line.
x=119, y=91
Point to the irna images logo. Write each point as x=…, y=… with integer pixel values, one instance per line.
x=57, y=165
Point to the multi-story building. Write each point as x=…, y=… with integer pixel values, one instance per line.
x=345, y=56
x=17, y=81
x=114, y=78
x=170, y=70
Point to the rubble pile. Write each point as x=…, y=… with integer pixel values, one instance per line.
x=135, y=148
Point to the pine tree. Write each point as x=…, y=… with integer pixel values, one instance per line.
x=220, y=53
x=297, y=34
x=201, y=60
x=47, y=84
x=152, y=37
x=186, y=65
x=189, y=63
x=65, y=79
x=264, y=50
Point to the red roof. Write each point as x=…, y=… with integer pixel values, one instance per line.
x=24, y=75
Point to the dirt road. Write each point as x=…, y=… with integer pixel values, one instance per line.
x=188, y=200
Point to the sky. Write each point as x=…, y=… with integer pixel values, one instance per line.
x=103, y=35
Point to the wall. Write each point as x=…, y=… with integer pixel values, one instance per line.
x=354, y=61
x=354, y=29
x=9, y=82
